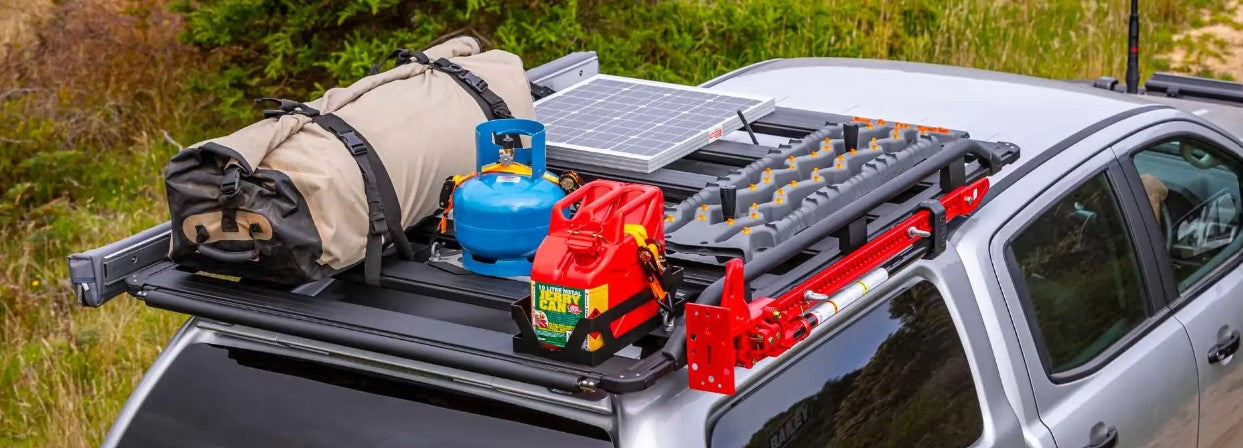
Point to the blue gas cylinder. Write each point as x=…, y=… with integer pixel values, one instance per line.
x=501, y=211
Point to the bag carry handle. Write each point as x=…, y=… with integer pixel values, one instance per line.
x=225, y=256
x=488, y=151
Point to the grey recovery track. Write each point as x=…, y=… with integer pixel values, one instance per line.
x=795, y=185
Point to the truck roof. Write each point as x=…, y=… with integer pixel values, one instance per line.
x=1034, y=113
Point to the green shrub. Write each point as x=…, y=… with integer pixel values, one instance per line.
x=297, y=49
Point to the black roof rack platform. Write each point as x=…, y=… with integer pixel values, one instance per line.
x=437, y=314
x=389, y=321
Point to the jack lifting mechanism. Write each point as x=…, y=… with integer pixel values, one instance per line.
x=741, y=332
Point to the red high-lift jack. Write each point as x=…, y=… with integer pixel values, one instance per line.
x=741, y=332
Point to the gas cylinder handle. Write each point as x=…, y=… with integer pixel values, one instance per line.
x=487, y=151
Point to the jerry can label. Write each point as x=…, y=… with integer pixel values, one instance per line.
x=555, y=310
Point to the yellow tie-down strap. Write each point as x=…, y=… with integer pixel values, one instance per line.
x=512, y=168
x=639, y=233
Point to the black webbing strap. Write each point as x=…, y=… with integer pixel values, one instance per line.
x=402, y=57
x=539, y=92
x=383, y=208
x=230, y=197
x=492, y=104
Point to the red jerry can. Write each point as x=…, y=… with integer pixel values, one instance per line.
x=591, y=262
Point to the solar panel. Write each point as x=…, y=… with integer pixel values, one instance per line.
x=639, y=125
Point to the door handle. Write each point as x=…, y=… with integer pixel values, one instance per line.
x=1224, y=349
x=1109, y=441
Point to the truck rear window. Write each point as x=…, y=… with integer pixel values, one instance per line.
x=229, y=397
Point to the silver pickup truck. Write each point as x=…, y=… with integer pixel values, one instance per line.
x=1093, y=299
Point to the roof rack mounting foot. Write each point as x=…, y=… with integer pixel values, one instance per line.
x=853, y=235
x=937, y=224
x=954, y=175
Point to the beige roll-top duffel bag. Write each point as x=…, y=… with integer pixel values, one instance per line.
x=317, y=187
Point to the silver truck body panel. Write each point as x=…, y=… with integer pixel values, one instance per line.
x=1209, y=310
x=1155, y=368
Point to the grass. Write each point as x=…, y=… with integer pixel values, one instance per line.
x=98, y=92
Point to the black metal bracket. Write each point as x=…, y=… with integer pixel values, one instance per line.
x=936, y=221
x=852, y=236
x=954, y=175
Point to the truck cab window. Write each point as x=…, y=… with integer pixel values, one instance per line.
x=1194, y=191
x=895, y=377
x=1081, y=278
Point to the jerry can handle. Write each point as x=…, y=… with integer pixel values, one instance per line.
x=645, y=205
x=487, y=151
x=599, y=191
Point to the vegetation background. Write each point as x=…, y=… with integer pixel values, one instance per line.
x=96, y=95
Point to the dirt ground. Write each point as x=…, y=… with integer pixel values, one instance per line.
x=1214, y=49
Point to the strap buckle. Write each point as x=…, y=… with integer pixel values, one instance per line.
x=375, y=212
x=230, y=181
x=286, y=107
x=447, y=66
x=653, y=263
x=474, y=81
x=402, y=56
x=570, y=181
x=352, y=141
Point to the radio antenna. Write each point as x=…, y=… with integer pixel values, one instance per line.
x=1132, y=58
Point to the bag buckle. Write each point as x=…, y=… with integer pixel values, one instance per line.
x=285, y=107
x=353, y=142
x=474, y=81
x=447, y=66
x=230, y=181
x=379, y=225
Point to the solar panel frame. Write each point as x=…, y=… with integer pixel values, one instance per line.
x=639, y=125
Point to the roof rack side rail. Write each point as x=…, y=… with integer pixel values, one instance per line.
x=431, y=353
x=99, y=274
x=565, y=71
x=992, y=155
x=636, y=377
x=1175, y=86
